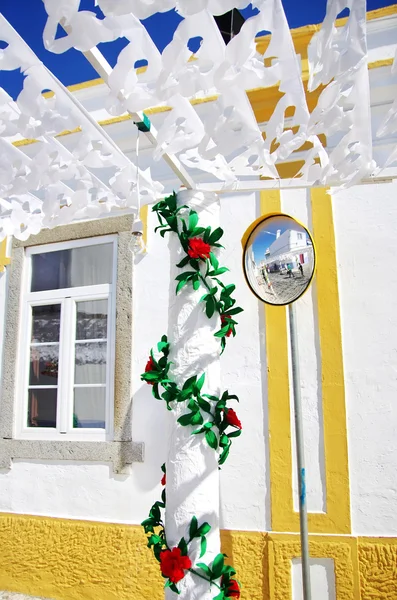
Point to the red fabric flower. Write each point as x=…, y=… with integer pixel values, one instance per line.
x=232, y=419
x=172, y=564
x=163, y=479
x=198, y=248
x=233, y=589
x=149, y=367
x=224, y=319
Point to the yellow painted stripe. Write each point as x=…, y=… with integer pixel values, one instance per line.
x=337, y=516
x=278, y=397
x=4, y=260
x=332, y=375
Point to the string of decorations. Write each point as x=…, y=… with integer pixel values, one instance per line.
x=208, y=415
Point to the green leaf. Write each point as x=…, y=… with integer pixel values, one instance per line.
x=210, y=307
x=197, y=231
x=218, y=271
x=228, y=570
x=220, y=596
x=193, y=528
x=200, y=382
x=183, y=262
x=211, y=439
x=193, y=220
x=206, y=235
x=185, y=275
x=196, y=284
x=155, y=513
x=222, y=332
x=224, y=441
x=204, y=404
x=215, y=235
x=189, y=382
x=173, y=587
x=234, y=434
x=213, y=398
x=206, y=569
x=183, y=546
x=148, y=525
x=203, y=547
x=229, y=289
x=224, y=455
x=197, y=419
x=214, y=261
x=153, y=540
x=204, y=529
x=217, y=565
x=151, y=376
x=186, y=420
x=180, y=285
x=234, y=311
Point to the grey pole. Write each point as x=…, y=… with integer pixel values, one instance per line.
x=300, y=453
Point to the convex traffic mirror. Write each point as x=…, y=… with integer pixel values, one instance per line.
x=279, y=259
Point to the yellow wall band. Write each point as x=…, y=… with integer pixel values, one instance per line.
x=332, y=373
x=337, y=516
x=4, y=260
x=79, y=560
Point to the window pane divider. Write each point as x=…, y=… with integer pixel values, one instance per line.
x=83, y=292
x=65, y=360
x=90, y=385
x=93, y=341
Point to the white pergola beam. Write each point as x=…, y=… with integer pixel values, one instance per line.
x=103, y=68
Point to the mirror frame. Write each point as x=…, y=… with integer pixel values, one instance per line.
x=246, y=239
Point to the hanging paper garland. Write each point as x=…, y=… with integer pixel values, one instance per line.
x=208, y=415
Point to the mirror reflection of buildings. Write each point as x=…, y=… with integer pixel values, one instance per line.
x=280, y=273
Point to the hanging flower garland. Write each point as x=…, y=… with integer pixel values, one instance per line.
x=200, y=256
x=209, y=412
x=174, y=562
x=208, y=415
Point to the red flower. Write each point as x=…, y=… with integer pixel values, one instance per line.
x=232, y=589
x=232, y=419
x=198, y=248
x=163, y=479
x=150, y=367
x=172, y=564
x=224, y=319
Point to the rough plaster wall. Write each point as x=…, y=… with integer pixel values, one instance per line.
x=366, y=224
x=71, y=560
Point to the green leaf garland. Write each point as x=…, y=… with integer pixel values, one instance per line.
x=204, y=265
x=208, y=415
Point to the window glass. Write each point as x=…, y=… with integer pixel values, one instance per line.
x=91, y=320
x=89, y=407
x=90, y=362
x=42, y=407
x=44, y=365
x=46, y=323
x=74, y=267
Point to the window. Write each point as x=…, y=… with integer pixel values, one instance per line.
x=300, y=236
x=67, y=341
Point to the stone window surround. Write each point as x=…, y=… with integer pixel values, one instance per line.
x=122, y=451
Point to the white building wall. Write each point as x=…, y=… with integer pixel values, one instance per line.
x=366, y=243
x=365, y=224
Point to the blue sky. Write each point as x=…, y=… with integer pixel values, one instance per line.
x=28, y=18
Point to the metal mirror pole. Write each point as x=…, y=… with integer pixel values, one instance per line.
x=300, y=452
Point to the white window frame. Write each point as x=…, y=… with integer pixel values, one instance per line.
x=67, y=297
